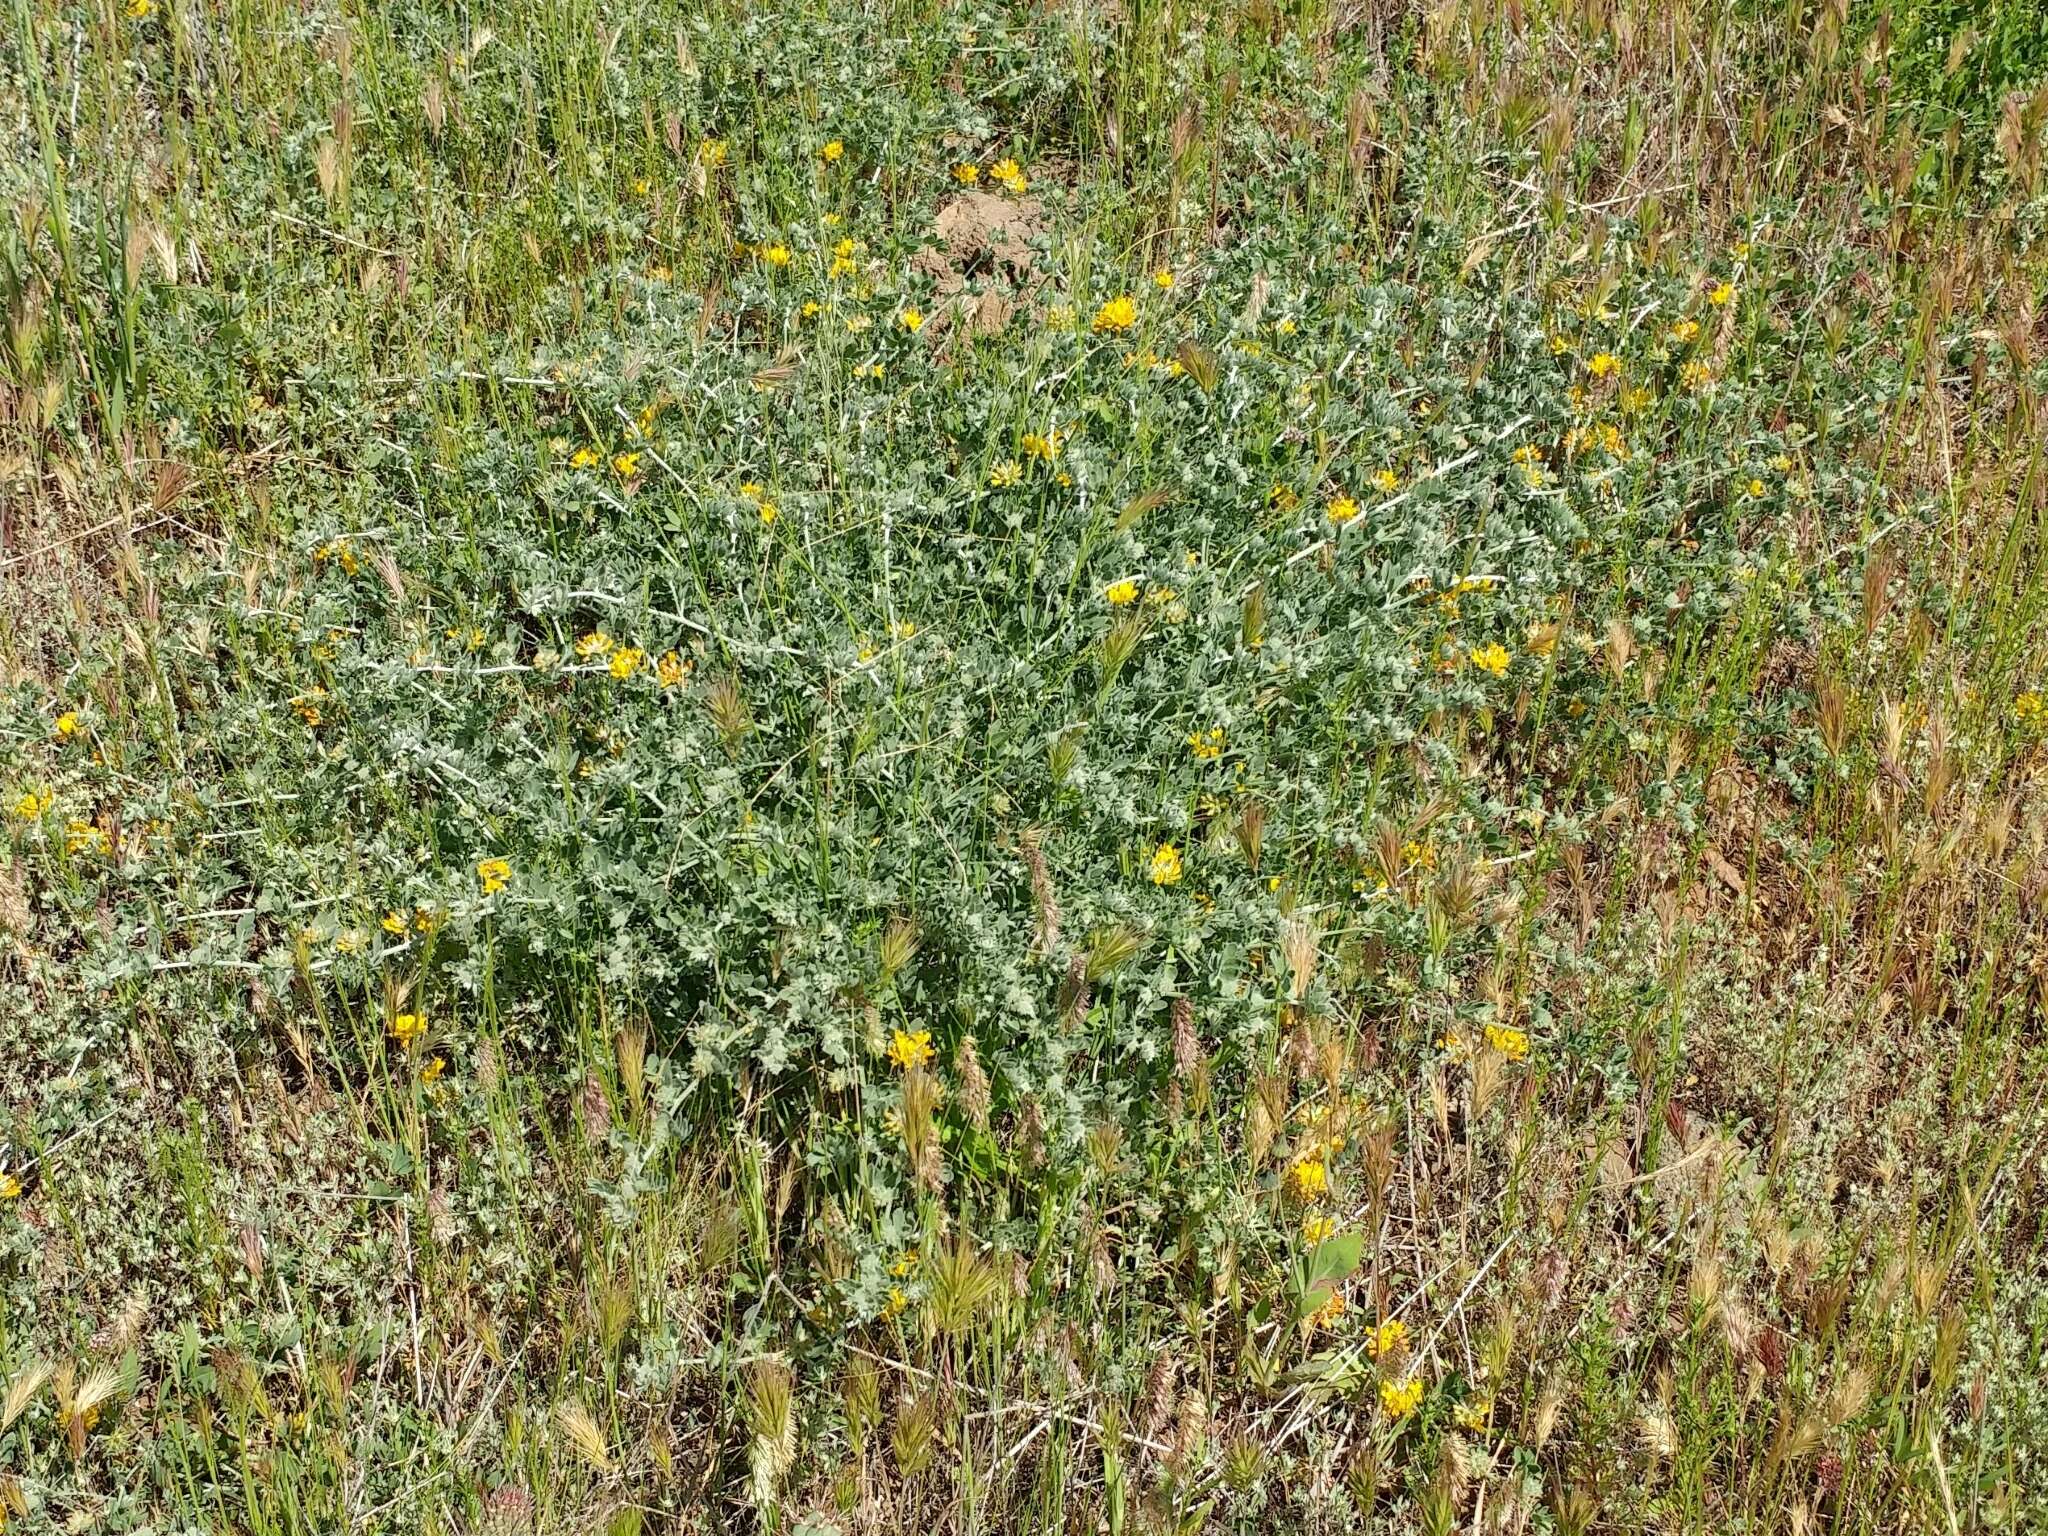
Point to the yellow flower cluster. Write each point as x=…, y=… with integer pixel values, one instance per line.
x=1118, y=314
x=1326, y=1315
x=1510, y=1042
x=1207, y=745
x=1308, y=1178
x=340, y=552
x=1385, y=1338
x=1398, y=1399
x=910, y=1050
x=1492, y=658
x=493, y=875
x=84, y=837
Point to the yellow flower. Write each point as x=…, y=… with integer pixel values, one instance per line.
x=1326, y=1315
x=1284, y=498
x=1399, y=1399
x=585, y=458
x=67, y=723
x=596, y=643
x=10, y=1187
x=1315, y=1228
x=1697, y=377
x=905, y=1264
x=1119, y=593
x=494, y=875
x=625, y=465
x=1207, y=745
x=1341, y=510
x=912, y=319
x=776, y=255
x=32, y=805
x=1491, y=658
x=2028, y=709
x=1473, y=1416
x=1510, y=1042
x=1118, y=314
x=1722, y=293
x=670, y=669
x=902, y=629
x=395, y=923
x=812, y=308
x=408, y=1027
x=1385, y=481
x=1309, y=1179
x=832, y=151
x=1010, y=174
x=1755, y=487
x=84, y=837
x=711, y=154
x=139, y=9
x=642, y=186
x=1162, y=279
x=1684, y=331
x=1040, y=445
x=910, y=1050
x=431, y=1072
x=1166, y=868
x=1386, y=1337
x=1603, y=365
x=1007, y=473
x=967, y=175
x=769, y=512
x=626, y=661
x=897, y=1302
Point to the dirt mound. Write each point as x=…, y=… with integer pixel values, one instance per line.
x=981, y=234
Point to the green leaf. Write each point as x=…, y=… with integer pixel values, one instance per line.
x=1331, y=1261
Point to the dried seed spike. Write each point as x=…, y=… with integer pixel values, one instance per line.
x=1043, y=897
x=586, y=1439
x=594, y=1108
x=899, y=944
x=770, y=1417
x=1301, y=945
x=22, y=1390
x=1187, y=1048
x=1159, y=1395
x=974, y=1085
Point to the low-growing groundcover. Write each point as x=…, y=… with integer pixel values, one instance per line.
x=999, y=768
